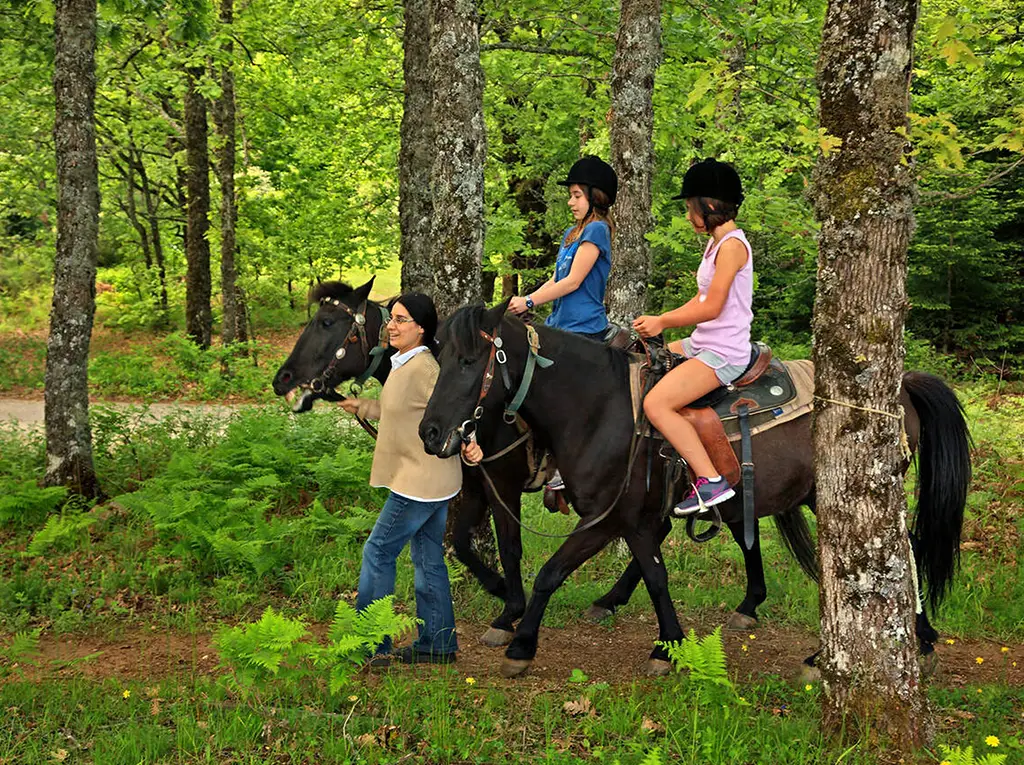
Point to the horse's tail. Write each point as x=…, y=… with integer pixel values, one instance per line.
x=944, y=474
x=796, y=535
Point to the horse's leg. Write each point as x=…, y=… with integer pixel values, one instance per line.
x=576, y=550
x=622, y=590
x=646, y=548
x=510, y=550
x=745, y=615
x=472, y=507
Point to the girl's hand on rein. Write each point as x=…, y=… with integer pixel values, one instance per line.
x=472, y=452
x=350, y=405
x=648, y=326
x=517, y=305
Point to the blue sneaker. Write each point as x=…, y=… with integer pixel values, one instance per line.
x=704, y=494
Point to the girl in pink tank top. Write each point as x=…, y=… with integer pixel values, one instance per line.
x=718, y=351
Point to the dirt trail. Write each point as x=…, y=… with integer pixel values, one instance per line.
x=614, y=654
x=28, y=413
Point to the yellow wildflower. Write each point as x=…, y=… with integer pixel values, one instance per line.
x=945, y=762
x=743, y=647
x=992, y=740
x=125, y=693
x=752, y=637
x=808, y=687
x=470, y=681
x=979, y=660
x=950, y=641
x=353, y=699
x=1004, y=649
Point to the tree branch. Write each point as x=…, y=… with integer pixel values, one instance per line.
x=947, y=195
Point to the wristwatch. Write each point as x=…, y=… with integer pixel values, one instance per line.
x=529, y=303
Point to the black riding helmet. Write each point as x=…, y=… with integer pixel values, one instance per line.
x=712, y=179
x=593, y=173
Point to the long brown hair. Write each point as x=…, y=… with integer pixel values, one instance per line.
x=600, y=206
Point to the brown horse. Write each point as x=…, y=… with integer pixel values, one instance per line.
x=581, y=406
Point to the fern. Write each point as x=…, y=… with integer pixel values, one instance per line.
x=956, y=756
x=703, y=657
x=58, y=530
x=25, y=503
x=275, y=649
x=653, y=757
x=21, y=649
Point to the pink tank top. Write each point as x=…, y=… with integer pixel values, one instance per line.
x=728, y=335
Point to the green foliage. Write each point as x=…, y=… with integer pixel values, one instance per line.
x=957, y=756
x=703, y=658
x=274, y=652
x=21, y=649
x=25, y=503
x=63, y=531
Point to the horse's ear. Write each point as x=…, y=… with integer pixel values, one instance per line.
x=492, y=316
x=362, y=293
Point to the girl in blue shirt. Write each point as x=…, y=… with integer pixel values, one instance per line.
x=582, y=266
x=585, y=257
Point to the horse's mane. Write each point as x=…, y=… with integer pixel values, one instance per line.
x=462, y=330
x=333, y=290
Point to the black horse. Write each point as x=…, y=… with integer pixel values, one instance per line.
x=581, y=405
x=347, y=319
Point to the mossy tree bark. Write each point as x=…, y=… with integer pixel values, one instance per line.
x=416, y=154
x=457, y=82
x=863, y=194
x=637, y=56
x=69, y=459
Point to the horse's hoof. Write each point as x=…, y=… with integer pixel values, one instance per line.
x=809, y=674
x=658, y=667
x=929, y=663
x=515, y=667
x=598, y=613
x=738, y=622
x=495, y=638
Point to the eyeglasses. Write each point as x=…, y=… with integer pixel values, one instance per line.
x=401, y=320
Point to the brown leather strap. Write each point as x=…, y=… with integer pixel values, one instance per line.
x=712, y=436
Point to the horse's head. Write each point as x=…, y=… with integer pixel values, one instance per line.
x=466, y=358
x=335, y=345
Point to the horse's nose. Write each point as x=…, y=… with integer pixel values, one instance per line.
x=282, y=381
x=431, y=435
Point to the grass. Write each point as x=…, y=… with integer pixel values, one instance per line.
x=217, y=518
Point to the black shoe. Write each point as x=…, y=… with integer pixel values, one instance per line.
x=410, y=655
x=381, y=661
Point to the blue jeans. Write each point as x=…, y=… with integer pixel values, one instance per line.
x=401, y=520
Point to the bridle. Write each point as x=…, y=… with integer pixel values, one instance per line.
x=498, y=357
x=356, y=334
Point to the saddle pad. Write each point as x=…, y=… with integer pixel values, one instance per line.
x=770, y=407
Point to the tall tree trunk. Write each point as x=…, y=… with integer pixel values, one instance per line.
x=152, y=200
x=66, y=414
x=637, y=55
x=457, y=177
x=863, y=195
x=198, y=315
x=233, y=328
x=416, y=155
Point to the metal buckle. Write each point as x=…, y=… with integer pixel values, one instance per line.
x=500, y=355
x=360, y=319
x=478, y=413
x=317, y=385
x=340, y=353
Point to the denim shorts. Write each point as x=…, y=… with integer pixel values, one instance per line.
x=725, y=372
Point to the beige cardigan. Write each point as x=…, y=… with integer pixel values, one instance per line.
x=399, y=462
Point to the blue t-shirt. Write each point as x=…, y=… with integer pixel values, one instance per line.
x=583, y=309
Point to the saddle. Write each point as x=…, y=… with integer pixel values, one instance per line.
x=756, y=398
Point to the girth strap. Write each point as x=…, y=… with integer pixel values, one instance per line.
x=747, y=477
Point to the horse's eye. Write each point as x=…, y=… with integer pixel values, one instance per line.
x=327, y=323
x=465, y=362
